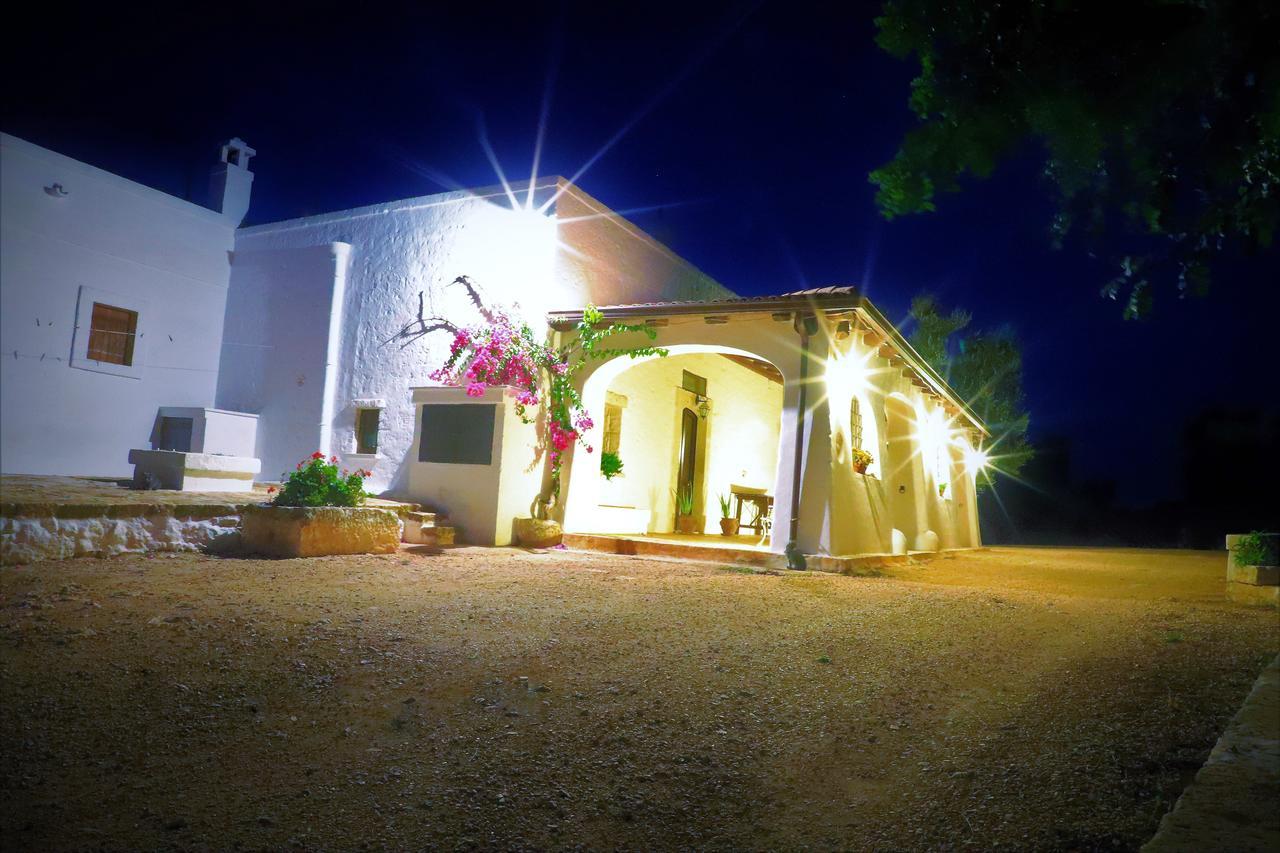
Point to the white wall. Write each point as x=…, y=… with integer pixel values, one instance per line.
x=278, y=347
x=144, y=249
x=409, y=250
x=482, y=501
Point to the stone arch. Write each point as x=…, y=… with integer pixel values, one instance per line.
x=582, y=487
x=903, y=472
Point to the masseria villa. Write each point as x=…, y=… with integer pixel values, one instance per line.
x=142, y=332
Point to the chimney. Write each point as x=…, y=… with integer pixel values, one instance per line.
x=231, y=181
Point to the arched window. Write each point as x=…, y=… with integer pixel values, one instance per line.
x=855, y=424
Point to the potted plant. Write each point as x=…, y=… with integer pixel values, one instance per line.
x=610, y=464
x=861, y=459
x=728, y=524
x=318, y=512
x=1253, y=568
x=942, y=490
x=686, y=521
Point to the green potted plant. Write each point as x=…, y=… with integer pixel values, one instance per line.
x=1253, y=568
x=728, y=524
x=318, y=512
x=686, y=521
x=861, y=460
x=942, y=490
x=610, y=464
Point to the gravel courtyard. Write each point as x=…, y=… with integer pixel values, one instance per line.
x=1030, y=699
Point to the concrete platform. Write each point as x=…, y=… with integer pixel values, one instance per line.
x=55, y=518
x=1232, y=803
x=736, y=550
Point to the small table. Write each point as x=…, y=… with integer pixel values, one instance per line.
x=759, y=498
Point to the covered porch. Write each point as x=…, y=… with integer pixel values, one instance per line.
x=809, y=405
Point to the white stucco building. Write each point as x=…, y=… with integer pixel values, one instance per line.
x=320, y=327
x=112, y=298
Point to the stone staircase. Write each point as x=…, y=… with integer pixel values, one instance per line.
x=427, y=528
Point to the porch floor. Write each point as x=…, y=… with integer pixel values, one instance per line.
x=740, y=550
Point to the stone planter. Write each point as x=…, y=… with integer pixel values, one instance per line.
x=1253, y=584
x=690, y=523
x=729, y=526
x=537, y=532
x=295, y=531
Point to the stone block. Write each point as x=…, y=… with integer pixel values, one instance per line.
x=537, y=532
x=278, y=531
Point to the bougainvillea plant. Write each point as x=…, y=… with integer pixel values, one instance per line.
x=316, y=482
x=505, y=352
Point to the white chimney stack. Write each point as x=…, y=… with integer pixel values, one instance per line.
x=231, y=182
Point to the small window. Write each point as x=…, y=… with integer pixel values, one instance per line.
x=694, y=384
x=367, y=422
x=457, y=433
x=612, y=428
x=111, y=334
x=855, y=424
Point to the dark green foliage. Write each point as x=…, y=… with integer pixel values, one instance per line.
x=610, y=464
x=985, y=369
x=316, y=482
x=1255, y=549
x=1157, y=122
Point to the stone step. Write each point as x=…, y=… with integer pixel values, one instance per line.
x=424, y=528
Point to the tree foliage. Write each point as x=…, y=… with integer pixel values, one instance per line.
x=985, y=369
x=1157, y=122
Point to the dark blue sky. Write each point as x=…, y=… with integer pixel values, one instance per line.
x=749, y=129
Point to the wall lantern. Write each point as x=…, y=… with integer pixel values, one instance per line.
x=843, y=329
x=704, y=407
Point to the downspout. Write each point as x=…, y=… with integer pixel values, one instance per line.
x=795, y=559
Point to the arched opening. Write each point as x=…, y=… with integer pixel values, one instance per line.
x=901, y=469
x=701, y=424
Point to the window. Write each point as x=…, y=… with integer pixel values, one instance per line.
x=457, y=433
x=855, y=424
x=367, y=421
x=613, y=407
x=694, y=384
x=111, y=334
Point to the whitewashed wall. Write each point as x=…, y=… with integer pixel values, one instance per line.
x=134, y=245
x=403, y=257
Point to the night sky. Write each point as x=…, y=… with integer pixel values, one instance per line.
x=739, y=135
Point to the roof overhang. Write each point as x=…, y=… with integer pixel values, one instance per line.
x=828, y=301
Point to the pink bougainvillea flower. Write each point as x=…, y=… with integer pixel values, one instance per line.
x=317, y=455
x=475, y=389
x=333, y=459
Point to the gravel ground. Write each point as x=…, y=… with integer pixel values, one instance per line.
x=1009, y=699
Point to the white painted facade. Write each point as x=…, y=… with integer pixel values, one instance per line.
x=326, y=316
x=72, y=235
x=317, y=306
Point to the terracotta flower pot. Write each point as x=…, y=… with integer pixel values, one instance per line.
x=861, y=468
x=538, y=532
x=729, y=527
x=690, y=524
